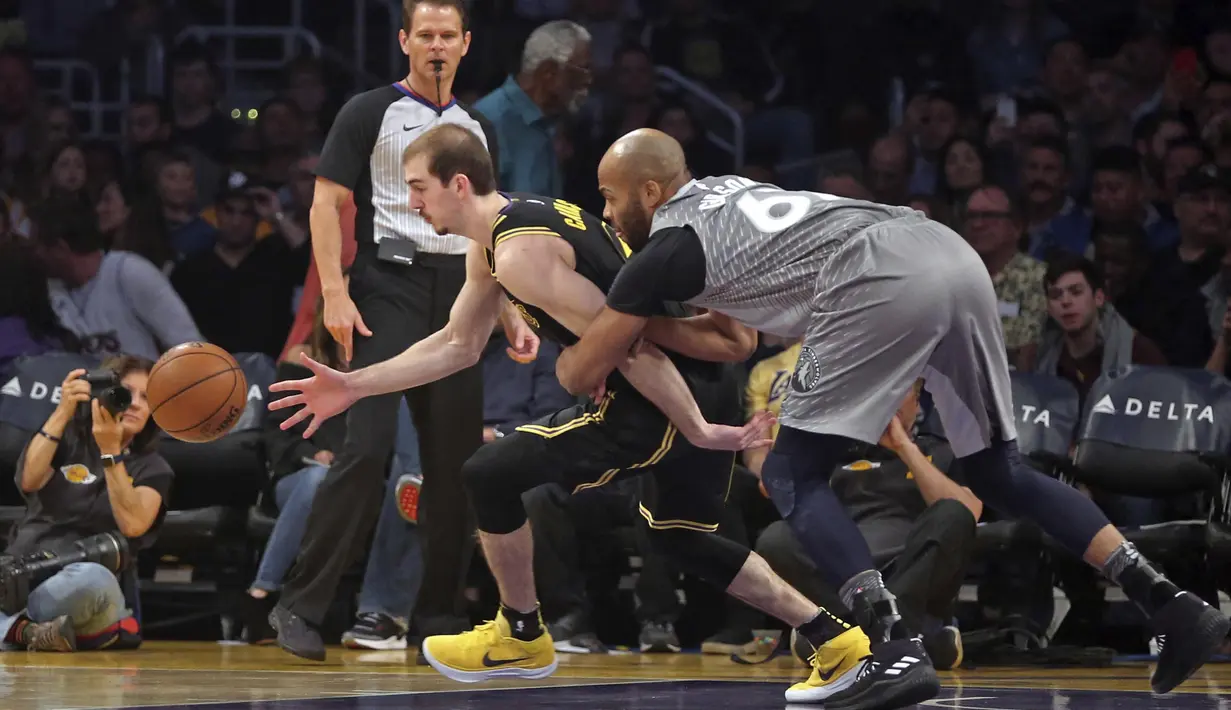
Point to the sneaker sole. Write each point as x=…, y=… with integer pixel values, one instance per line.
x=918, y=685
x=396, y=643
x=822, y=693
x=1207, y=637
x=480, y=676
x=659, y=648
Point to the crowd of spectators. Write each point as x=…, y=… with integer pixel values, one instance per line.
x=1082, y=148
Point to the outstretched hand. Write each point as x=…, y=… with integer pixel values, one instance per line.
x=752, y=435
x=323, y=395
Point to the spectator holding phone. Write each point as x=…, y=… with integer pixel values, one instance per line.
x=242, y=274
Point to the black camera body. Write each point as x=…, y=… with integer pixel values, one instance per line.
x=19, y=575
x=105, y=386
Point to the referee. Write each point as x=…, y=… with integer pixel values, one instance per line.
x=403, y=282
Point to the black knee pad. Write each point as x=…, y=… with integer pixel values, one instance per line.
x=709, y=556
x=495, y=490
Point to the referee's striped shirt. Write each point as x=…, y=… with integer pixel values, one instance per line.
x=364, y=153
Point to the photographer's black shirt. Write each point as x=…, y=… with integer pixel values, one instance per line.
x=74, y=504
x=882, y=496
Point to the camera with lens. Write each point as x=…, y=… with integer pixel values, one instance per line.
x=19, y=575
x=105, y=386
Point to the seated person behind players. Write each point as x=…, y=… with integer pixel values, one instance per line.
x=516, y=393
x=395, y=561
x=919, y=524
x=82, y=476
x=1085, y=336
x=767, y=386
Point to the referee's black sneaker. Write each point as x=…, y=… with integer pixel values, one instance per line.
x=295, y=636
x=1188, y=632
x=898, y=674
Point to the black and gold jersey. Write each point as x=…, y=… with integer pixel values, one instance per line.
x=598, y=252
x=599, y=255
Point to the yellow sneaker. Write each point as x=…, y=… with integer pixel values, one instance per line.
x=835, y=666
x=489, y=651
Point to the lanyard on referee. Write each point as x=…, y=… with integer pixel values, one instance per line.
x=437, y=66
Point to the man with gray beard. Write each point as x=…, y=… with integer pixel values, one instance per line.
x=553, y=81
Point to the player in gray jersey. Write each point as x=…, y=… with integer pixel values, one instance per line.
x=881, y=297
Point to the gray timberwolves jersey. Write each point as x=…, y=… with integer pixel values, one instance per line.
x=765, y=246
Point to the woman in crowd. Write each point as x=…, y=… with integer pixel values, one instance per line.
x=86, y=472
x=963, y=168
x=65, y=173
x=132, y=221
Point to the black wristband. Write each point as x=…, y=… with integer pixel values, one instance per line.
x=49, y=436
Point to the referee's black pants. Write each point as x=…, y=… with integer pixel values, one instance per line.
x=400, y=305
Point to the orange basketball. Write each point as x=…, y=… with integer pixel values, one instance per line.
x=197, y=392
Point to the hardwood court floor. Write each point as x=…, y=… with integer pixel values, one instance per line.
x=223, y=677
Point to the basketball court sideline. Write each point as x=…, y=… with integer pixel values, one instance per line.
x=221, y=677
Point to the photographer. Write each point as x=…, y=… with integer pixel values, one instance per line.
x=89, y=471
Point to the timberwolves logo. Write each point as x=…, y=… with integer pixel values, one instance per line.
x=807, y=371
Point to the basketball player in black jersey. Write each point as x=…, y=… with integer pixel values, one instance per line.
x=555, y=262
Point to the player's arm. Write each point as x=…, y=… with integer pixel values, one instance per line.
x=670, y=268
x=933, y=484
x=712, y=336
x=756, y=394
x=539, y=270
x=607, y=344
x=456, y=346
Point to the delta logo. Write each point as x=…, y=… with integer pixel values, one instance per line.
x=1036, y=416
x=1154, y=409
x=38, y=390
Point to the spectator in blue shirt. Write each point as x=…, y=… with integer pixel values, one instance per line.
x=1055, y=222
x=176, y=184
x=1118, y=197
x=553, y=80
x=515, y=393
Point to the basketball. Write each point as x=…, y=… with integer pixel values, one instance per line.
x=197, y=392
